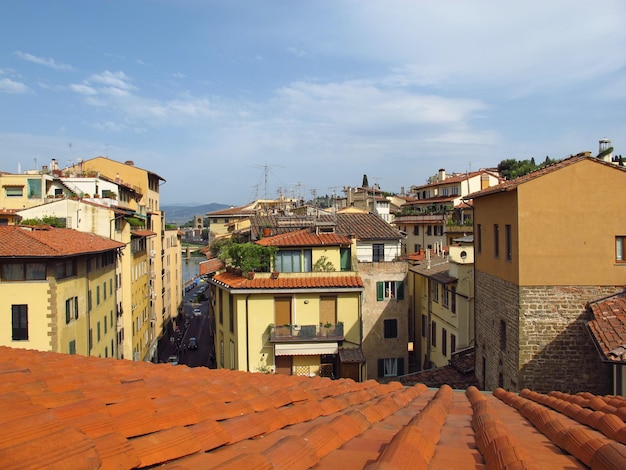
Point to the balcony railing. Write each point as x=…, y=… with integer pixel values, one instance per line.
x=306, y=333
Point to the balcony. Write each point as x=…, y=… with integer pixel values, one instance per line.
x=306, y=333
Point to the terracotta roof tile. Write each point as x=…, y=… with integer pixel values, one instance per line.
x=236, y=281
x=305, y=237
x=17, y=241
x=127, y=414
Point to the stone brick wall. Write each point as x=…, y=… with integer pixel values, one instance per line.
x=547, y=345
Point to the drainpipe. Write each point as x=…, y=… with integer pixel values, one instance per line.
x=247, y=337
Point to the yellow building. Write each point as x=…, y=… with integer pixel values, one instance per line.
x=147, y=300
x=303, y=318
x=442, y=292
x=57, y=291
x=546, y=244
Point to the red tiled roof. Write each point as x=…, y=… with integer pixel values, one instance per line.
x=305, y=237
x=142, y=233
x=236, y=281
x=17, y=241
x=210, y=266
x=240, y=210
x=608, y=327
x=456, y=178
x=67, y=411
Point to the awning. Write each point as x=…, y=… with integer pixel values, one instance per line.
x=305, y=349
x=351, y=355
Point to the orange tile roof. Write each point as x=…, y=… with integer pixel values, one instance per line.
x=66, y=411
x=305, y=237
x=210, y=266
x=17, y=241
x=456, y=178
x=236, y=281
x=608, y=327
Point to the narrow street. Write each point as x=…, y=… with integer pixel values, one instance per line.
x=199, y=326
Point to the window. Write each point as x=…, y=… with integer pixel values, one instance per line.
x=291, y=261
x=72, y=347
x=34, y=188
x=434, y=291
x=378, y=252
x=71, y=309
x=24, y=272
x=389, y=290
x=496, y=240
x=445, y=300
x=344, y=257
x=89, y=300
x=433, y=334
x=479, y=238
x=502, y=335
x=19, y=314
x=97, y=295
x=104, y=290
x=390, y=328
x=620, y=244
x=508, y=243
x=424, y=326
x=14, y=191
x=452, y=343
x=444, y=341
x=429, y=230
x=391, y=367
x=98, y=332
x=64, y=269
x=453, y=299
x=416, y=230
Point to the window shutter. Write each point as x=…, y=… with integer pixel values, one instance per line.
x=400, y=366
x=400, y=290
x=380, y=291
x=67, y=311
x=381, y=368
x=76, y=307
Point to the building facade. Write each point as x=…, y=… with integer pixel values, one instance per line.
x=546, y=244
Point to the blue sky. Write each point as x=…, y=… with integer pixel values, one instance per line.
x=216, y=95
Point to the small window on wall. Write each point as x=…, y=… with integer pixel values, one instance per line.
x=391, y=367
x=620, y=245
x=390, y=328
x=389, y=290
x=14, y=191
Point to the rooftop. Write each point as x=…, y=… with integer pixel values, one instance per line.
x=63, y=411
x=27, y=242
x=608, y=327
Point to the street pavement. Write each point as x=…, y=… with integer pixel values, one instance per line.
x=188, y=325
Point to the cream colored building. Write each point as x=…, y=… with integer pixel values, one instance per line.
x=57, y=291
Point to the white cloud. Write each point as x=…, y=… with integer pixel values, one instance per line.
x=113, y=79
x=83, y=89
x=48, y=62
x=11, y=86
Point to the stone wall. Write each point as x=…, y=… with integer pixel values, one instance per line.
x=547, y=344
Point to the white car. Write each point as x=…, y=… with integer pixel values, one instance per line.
x=197, y=312
x=173, y=360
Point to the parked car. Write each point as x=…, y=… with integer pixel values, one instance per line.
x=197, y=312
x=173, y=360
x=193, y=343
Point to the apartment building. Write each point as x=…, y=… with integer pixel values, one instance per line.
x=546, y=244
x=442, y=302
x=58, y=290
x=375, y=256
x=302, y=318
x=439, y=214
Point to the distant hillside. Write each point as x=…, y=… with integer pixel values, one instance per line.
x=178, y=214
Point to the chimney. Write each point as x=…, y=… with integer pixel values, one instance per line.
x=441, y=174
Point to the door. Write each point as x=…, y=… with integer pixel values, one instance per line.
x=328, y=310
x=284, y=364
x=282, y=311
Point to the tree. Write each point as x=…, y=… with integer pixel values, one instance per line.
x=365, y=182
x=248, y=257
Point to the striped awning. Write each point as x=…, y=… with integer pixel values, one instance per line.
x=305, y=349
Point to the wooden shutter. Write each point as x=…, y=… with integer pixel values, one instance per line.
x=282, y=312
x=328, y=310
x=380, y=291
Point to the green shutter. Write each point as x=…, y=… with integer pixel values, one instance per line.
x=400, y=290
x=380, y=291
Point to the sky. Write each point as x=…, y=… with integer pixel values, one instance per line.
x=232, y=100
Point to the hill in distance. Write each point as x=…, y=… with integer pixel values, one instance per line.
x=179, y=214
